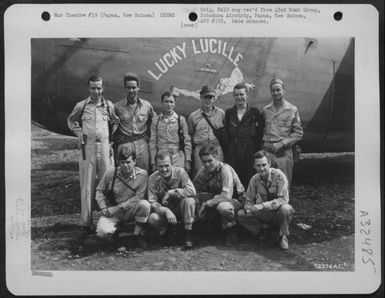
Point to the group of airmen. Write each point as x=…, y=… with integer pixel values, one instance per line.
x=198, y=168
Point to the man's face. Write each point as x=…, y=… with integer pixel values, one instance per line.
x=262, y=166
x=277, y=91
x=132, y=89
x=207, y=101
x=240, y=96
x=209, y=162
x=164, y=167
x=127, y=166
x=168, y=104
x=95, y=89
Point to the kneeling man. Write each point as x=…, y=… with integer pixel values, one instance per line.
x=121, y=197
x=171, y=195
x=215, y=183
x=267, y=199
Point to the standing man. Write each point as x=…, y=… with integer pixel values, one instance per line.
x=282, y=129
x=267, y=200
x=200, y=130
x=135, y=116
x=120, y=195
x=91, y=120
x=215, y=183
x=169, y=133
x=244, y=125
x=171, y=195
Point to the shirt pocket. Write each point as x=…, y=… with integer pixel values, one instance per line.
x=87, y=118
x=284, y=123
x=285, y=119
x=125, y=118
x=201, y=126
x=141, y=117
x=172, y=130
x=272, y=189
x=118, y=190
x=105, y=119
x=268, y=121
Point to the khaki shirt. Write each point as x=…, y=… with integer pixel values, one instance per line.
x=179, y=181
x=95, y=118
x=200, y=130
x=121, y=193
x=134, y=121
x=283, y=125
x=274, y=192
x=165, y=136
x=220, y=183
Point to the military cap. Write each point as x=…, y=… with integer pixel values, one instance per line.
x=276, y=81
x=207, y=90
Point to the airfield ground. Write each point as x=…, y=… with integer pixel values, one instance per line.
x=322, y=195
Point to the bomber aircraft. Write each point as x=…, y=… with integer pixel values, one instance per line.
x=318, y=74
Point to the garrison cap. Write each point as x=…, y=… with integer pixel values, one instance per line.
x=276, y=81
x=131, y=76
x=207, y=90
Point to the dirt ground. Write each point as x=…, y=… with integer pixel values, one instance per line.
x=322, y=195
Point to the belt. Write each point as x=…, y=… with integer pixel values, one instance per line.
x=97, y=139
x=279, y=153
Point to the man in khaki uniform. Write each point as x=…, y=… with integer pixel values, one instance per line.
x=267, y=200
x=215, y=183
x=282, y=129
x=135, y=116
x=199, y=128
x=121, y=197
x=90, y=121
x=169, y=134
x=171, y=195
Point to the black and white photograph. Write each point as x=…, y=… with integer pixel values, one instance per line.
x=212, y=144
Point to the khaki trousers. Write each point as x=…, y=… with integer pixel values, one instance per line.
x=280, y=218
x=138, y=211
x=285, y=163
x=184, y=210
x=92, y=169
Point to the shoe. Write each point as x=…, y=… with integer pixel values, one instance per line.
x=188, y=243
x=85, y=229
x=140, y=241
x=284, y=243
x=93, y=243
x=88, y=229
x=230, y=236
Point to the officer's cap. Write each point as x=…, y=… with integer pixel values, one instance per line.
x=276, y=81
x=207, y=90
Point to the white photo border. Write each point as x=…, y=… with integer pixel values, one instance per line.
x=22, y=22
